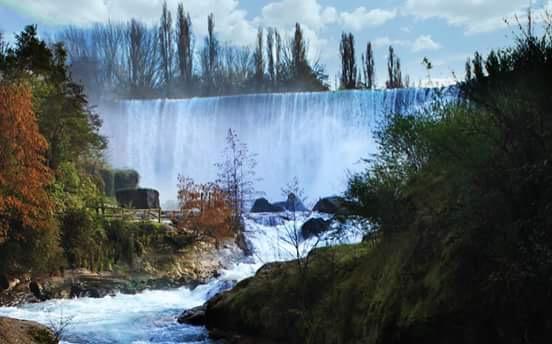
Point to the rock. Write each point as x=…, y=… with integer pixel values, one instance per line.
x=37, y=290
x=262, y=205
x=332, y=205
x=14, y=331
x=194, y=316
x=139, y=198
x=241, y=242
x=314, y=227
x=293, y=203
x=4, y=282
x=221, y=286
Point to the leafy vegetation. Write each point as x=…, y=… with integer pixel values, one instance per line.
x=52, y=174
x=458, y=207
x=135, y=60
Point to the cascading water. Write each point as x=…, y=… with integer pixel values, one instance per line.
x=316, y=137
x=150, y=317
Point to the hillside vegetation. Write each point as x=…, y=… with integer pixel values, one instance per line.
x=458, y=204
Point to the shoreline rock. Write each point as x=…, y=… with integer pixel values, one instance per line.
x=14, y=331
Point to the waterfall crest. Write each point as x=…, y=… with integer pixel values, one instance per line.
x=316, y=137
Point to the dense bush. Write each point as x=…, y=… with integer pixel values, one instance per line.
x=125, y=179
x=480, y=167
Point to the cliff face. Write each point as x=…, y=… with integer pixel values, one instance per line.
x=414, y=286
x=14, y=331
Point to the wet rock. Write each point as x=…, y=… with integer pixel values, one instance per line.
x=314, y=227
x=4, y=282
x=241, y=242
x=37, y=290
x=262, y=205
x=221, y=286
x=332, y=205
x=293, y=203
x=194, y=316
x=14, y=331
x=139, y=198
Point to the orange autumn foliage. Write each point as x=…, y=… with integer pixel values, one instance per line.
x=205, y=208
x=24, y=176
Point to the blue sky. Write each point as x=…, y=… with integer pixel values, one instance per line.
x=446, y=31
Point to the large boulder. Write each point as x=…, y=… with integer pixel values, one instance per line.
x=37, y=290
x=314, y=227
x=4, y=282
x=14, y=331
x=138, y=199
x=293, y=203
x=194, y=316
x=262, y=205
x=332, y=205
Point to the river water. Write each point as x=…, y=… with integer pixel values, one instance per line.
x=150, y=317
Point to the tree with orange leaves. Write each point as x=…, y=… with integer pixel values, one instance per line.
x=25, y=206
x=205, y=208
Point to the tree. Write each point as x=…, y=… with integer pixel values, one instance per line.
x=270, y=55
x=279, y=57
x=166, y=48
x=348, y=61
x=141, y=59
x=26, y=210
x=300, y=74
x=369, y=67
x=209, y=57
x=258, y=61
x=236, y=176
x=185, y=47
x=205, y=209
x=394, y=72
x=299, y=63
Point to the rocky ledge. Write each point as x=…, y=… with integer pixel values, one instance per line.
x=14, y=331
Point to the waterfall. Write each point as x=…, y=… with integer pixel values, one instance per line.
x=316, y=137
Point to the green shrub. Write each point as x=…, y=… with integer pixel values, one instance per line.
x=125, y=179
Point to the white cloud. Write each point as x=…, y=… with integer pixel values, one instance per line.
x=286, y=13
x=425, y=42
x=422, y=43
x=386, y=41
x=231, y=21
x=361, y=17
x=474, y=15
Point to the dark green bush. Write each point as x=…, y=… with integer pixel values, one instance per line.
x=125, y=179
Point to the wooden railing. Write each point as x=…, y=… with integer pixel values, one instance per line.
x=118, y=213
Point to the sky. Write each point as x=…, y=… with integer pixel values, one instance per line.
x=445, y=31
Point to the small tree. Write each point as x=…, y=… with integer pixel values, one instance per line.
x=205, y=208
x=369, y=67
x=348, y=61
x=236, y=177
x=166, y=48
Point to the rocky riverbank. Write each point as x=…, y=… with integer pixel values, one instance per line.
x=14, y=331
x=196, y=264
x=414, y=286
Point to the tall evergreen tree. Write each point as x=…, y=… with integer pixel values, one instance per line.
x=166, y=48
x=209, y=57
x=369, y=67
x=258, y=60
x=279, y=57
x=395, y=79
x=270, y=55
x=185, y=47
x=299, y=62
x=348, y=61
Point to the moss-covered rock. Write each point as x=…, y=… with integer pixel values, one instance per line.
x=14, y=331
x=411, y=287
